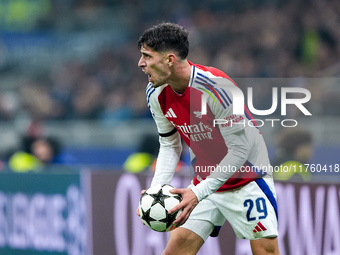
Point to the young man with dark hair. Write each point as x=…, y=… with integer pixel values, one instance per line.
x=232, y=179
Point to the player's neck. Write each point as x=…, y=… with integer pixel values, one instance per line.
x=179, y=80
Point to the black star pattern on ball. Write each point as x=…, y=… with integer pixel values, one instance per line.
x=158, y=198
x=169, y=218
x=146, y=216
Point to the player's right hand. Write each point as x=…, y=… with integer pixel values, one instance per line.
x=141, y=193
x=188, y=203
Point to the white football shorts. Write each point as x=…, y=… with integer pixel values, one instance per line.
x=251, y=211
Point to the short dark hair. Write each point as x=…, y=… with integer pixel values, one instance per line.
x=166, y=36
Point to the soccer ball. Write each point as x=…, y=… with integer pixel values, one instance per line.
x=154, y=206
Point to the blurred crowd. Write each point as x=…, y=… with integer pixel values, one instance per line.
x=101, y=90
x=245, y=39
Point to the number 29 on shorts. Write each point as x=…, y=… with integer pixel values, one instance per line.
x=260, y=207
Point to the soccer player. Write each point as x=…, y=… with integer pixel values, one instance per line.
x=227, y=150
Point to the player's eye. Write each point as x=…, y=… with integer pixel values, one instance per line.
x=146, y=56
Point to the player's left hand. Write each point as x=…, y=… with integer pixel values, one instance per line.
x=188, y=203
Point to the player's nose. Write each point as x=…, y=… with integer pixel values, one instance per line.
x=141, y=62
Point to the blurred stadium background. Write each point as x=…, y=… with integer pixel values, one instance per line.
x=68, y=70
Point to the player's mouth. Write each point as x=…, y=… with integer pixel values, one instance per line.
x=149, y=75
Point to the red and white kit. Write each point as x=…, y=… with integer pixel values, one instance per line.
x=224, y=156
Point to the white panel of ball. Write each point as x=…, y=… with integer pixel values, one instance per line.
x=146, y=202
x=157, y=212
x=154, y=189
x=166, y=190
x=170, y=202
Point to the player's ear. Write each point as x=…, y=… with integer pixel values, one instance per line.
x=171, y=57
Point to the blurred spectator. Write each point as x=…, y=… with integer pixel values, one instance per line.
x=37, y=102
x=87, y=100
x=8, y=105
x=294, y=149
x=144, y=156
x=49, y=151
x=115, y=108
x=22, y=162
x=38, y=154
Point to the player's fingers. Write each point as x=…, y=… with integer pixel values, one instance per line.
x=142, y=192
x=181, y=205
x=182, y=218
x=176, y=191
x=139, y=215
x=175, y=208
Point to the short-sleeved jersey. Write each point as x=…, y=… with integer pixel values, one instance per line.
x=206, y=138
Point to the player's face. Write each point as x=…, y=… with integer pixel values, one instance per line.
x=155, y=65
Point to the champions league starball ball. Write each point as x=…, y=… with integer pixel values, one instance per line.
x=154, y=206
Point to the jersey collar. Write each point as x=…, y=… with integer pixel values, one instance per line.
x=193, y=73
